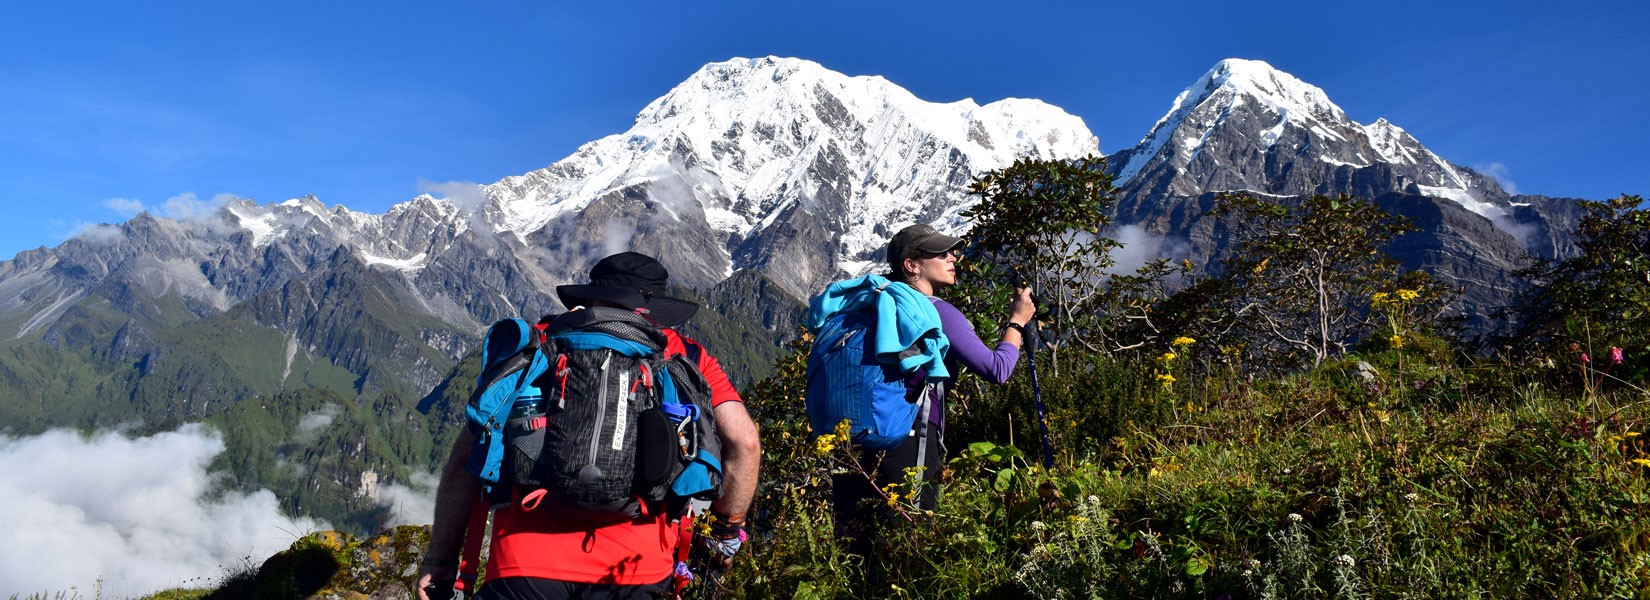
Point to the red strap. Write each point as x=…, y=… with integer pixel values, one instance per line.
x=532, y=499
x=561, y=374
x=684, y=537
x=469, y=562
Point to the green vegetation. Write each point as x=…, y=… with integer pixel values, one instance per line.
x=1237, y=439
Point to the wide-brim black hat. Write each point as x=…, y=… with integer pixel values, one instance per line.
x=634, y=281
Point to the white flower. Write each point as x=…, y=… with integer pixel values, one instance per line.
x=1247, y=573
x=1411, y=497
x=1295, y=517
x=1093, y=499
x=1038, y=525
x=1254, y=563
x=1345, y=560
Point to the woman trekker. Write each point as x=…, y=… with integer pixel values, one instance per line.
x=924, y=259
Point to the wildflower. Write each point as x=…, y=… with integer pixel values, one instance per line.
x=1166, y=357
x=1254, y=563
x=825, y=444
x=1038, y=525
x=1585, y=359
x=1397, y=341
x=1093, y=499
x=1248, y=573
x=1182, y=342
x=1642, y=462
x=1630, y=434
x=1411, y=497
x=1378, y=299
x=893, y=500
x=1295, y=517
x=1615, y=355
x=1166, y=379
x=1407, y=295
x=1345, y=560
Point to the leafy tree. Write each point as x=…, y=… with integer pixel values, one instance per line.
x=1600, y=299
x=1037, y=222
x=1298, y=285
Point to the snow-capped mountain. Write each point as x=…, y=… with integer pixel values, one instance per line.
x=1247, y=127
x=756, y=181
x=754, y=176
x=780, y=158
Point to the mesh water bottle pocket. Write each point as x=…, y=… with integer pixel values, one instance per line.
x=524, y=452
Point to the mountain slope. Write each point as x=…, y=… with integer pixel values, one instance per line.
x=1247, y=127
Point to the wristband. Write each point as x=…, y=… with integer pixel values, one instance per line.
x=727, y=526
x=1016, y=326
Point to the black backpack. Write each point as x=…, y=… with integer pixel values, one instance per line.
x=598, y=420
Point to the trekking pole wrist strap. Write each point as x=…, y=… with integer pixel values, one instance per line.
x=1016, y=326
x=727, y=526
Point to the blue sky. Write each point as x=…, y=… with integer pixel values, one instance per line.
x=107, y=106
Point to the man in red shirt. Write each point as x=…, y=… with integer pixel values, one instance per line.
x=545, y=554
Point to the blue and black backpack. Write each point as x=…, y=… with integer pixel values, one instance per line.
x=848, y=381
x=593, y=416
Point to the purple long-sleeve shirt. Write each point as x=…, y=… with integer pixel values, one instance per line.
x=994, y=365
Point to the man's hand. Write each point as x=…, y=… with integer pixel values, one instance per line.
x=727, y=536
x=436, y=582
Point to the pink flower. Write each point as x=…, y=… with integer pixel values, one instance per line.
x=1585, y=359
x=1615, y=355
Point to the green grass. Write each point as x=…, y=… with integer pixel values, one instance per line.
x=1443, y=478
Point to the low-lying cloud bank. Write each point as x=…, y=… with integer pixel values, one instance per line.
x=132, y=513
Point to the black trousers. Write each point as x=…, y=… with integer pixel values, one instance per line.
x=858, y=505
x=533, y=588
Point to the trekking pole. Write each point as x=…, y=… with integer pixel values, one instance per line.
x=1035, y=333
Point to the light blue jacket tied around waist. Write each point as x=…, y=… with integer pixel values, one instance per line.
x=906, y=318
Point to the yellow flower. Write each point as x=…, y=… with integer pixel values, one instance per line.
x=893, y=500
x=1166, y=379
x=1642, y=462
x=1378, y=299
x=1167, y=356
x=1182, y=341
x=1397, y=341
x=1630, y=434
x=1407, y=295
x=825, y=444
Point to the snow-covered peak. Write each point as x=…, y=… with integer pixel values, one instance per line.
x=746, y=138
x=1283, y=93
x=1229, y=129
x=1391, y=142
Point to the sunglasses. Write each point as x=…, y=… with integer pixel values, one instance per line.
x=928, y=255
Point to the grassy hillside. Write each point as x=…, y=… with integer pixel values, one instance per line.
x=1418, y=474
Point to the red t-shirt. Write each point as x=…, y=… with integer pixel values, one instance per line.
x=551, y=545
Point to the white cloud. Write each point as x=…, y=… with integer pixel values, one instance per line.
x=1500, y=173
x=186, y=207
x=97, y=233
x=468, y=196
x=616, y=236
x=316, y=421
x=409, y=504
x=134, y=513
x=124, y=207
x=1140, y=248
